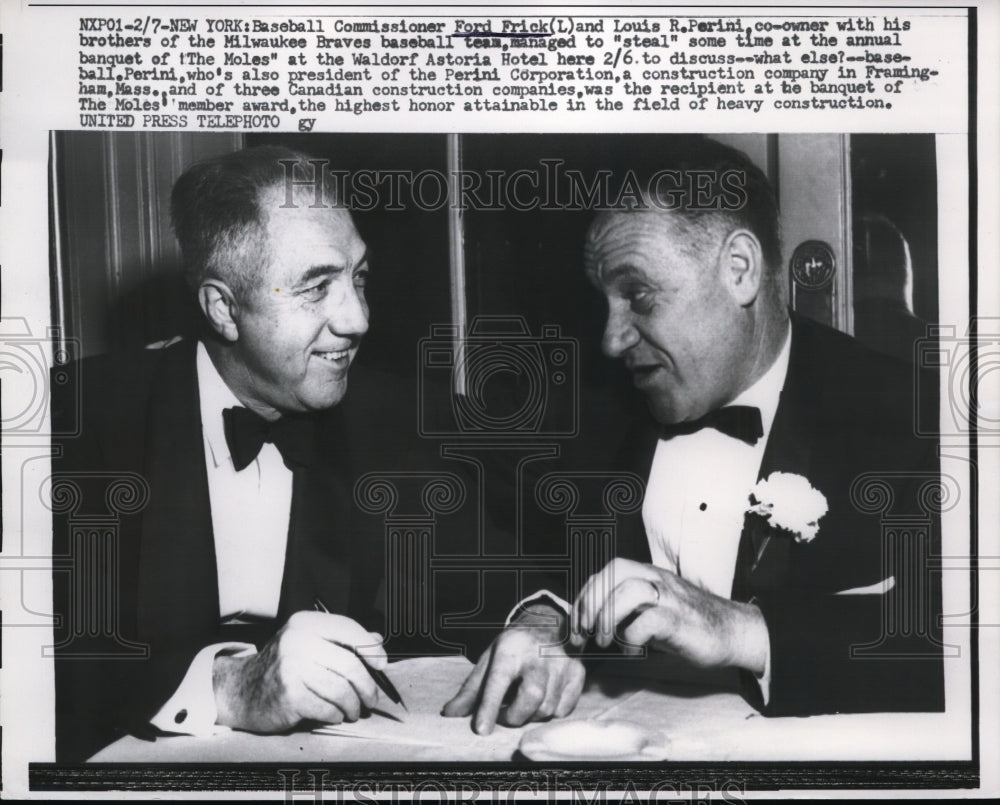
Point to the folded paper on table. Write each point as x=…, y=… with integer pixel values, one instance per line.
x=425, y=684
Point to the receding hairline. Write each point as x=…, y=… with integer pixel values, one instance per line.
x=709, y=228
x=677, y=225
x=272, y=205
x=276, y=196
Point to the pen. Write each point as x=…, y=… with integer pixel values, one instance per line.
x=380, y=678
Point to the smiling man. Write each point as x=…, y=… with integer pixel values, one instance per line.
x=287, y=337
x=843, y=620
x=240, y=441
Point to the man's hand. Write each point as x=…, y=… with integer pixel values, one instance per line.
x=671, y=614
x=550, y=681
x=306, y=671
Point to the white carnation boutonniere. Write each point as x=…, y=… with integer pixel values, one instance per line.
x=787, y=504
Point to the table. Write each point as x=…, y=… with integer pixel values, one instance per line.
x=701, y=722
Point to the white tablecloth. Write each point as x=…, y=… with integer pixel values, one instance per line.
x=701, y=722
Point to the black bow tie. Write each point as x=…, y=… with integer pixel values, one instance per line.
x=739, y=421
x=294, y=435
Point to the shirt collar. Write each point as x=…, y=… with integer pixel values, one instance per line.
x=765, y=393
x=215, y=396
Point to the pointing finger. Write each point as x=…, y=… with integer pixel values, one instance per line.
x=463, y=702
x=503, y=670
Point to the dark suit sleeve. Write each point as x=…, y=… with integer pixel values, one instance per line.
x=93, y=691
x=830, y=662
x=109, y=680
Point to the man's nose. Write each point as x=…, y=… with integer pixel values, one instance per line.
x=619, y=332
x=350, y=316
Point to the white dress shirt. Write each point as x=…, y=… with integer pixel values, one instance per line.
x=696, y=496
x=250, y=508
x=250, y=515
x=698, y=488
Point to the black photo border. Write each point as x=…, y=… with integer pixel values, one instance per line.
x=301, y=779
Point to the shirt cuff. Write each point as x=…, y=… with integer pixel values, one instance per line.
x=764, y=680
x=191, y=710
x=541, y=595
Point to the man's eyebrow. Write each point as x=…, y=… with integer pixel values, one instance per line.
x=315, y=272
x=327, y=269
x=617, y=272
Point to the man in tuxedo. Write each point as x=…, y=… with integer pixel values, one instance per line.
x=234, y=448
x=737, y=389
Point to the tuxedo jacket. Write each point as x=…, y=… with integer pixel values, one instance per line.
x=135, y=585
x=847, y=421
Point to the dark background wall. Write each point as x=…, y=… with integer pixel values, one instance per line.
x=116, y=281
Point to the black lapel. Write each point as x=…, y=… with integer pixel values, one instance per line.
x=319, y=557
x=790, y=448
x=178, y=590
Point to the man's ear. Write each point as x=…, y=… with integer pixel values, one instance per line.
x=218, y=303
x=741, y=264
